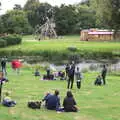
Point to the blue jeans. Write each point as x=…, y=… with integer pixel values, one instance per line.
x=9, y=103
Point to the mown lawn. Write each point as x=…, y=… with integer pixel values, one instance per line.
x=94, y=102
x=29, y=44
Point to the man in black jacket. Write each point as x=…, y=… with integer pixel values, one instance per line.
x=3, y=65
x=103, y=74
x=71, y=76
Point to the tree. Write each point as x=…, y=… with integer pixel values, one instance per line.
x=17, y=7
x=30, y=8
x=65, y=18
x=37, y=12
x=15, y=21
x=107, y=13
x=85, y=17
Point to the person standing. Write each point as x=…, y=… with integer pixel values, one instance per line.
x=103, y=74
x=3, y=66
x=16, y=65
x=78, y=77
x=67, y=68
x=71, y=76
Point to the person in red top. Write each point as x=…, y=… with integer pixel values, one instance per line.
x=16, y=65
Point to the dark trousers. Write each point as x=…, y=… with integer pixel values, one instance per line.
x=78, y=84
x=103, y=77
x=70, y=81
x=4, y=70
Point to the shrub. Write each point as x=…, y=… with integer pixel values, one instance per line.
x=85, y=70
x=93, y=67
x=72, y=48
x=3, y=43
x=12, y=39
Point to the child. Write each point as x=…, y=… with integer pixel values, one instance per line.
x=78, y=78
x=98, y=80
x=7, y=101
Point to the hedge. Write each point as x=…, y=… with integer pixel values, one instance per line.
x=3, y=43
x=10, y=40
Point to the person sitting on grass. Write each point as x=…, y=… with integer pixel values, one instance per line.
x=52, y=102
x=37, y=73
x=98, y=80
x=69, y=103
x=61, y=75
x=46, y=97
x=2, y=79
x=7, y=101
x=48, y=75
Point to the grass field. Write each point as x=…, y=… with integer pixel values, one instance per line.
x=94, y=102
x=61, y=44
x=59, y=47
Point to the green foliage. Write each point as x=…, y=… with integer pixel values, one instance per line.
x=10, y=40
x=107, y=13
x=37, y=12
x=72, y=48
x=3, y=43
x=68, y=18
x=65, y=18
x=15, y=21
x=56, y=50
x=85, y=17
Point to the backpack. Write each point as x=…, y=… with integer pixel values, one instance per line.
x=34, y=104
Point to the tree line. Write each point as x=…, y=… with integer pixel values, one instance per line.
x=68, y=18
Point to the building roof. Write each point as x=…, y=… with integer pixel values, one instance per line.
x=100, y=33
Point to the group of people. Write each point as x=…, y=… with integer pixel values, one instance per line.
x=15, y=64
x=51, y=75
x=71, y=73
x=101, y=77
x=52, y=102
x=7, y=101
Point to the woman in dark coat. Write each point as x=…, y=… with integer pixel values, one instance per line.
x=69, y=103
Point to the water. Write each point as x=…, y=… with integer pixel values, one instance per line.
x=89, y=65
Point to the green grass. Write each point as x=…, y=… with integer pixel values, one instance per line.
x=31, y=47
x=61, y=44
x=94, y=102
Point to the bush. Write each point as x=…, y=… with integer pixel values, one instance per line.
x=72, y=48
x=93, y=67
x=3, y=43
x=10, y=40
x=85, y=70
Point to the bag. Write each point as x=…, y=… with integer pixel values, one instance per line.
x=34, y=105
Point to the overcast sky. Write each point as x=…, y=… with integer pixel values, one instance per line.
x=8, y=4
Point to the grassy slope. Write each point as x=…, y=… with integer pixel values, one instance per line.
x=95, y=103
x=29, y=44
